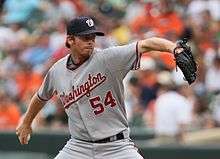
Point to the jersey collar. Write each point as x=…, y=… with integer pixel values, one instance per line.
x=70, y=64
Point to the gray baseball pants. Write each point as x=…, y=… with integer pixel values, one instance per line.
x=120, y=149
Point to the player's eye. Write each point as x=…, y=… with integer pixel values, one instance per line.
x=88, y=37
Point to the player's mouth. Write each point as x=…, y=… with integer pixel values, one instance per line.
x=88, y=48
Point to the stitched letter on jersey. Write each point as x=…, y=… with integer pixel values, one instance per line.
x=82, y=90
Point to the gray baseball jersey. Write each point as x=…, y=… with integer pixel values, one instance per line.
x=93, y=93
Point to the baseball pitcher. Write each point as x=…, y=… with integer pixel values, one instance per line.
x=88, y=81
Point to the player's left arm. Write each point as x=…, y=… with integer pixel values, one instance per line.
x=182, y=54
x=156, y=44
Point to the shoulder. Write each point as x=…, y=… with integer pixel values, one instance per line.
x=97, y=50
x=60, y=64
x=126, y=47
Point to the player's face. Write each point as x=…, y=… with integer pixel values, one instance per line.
x=85, y=44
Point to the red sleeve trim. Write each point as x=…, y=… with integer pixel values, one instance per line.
x=136, y=64
x=41, y=98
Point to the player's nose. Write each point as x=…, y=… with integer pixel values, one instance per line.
x=91, y=43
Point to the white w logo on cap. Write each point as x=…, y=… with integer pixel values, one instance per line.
x=90, y=22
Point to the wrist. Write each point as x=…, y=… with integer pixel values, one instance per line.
x=26, y=121
x=172, y=48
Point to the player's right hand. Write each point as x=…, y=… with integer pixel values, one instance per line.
x=23, y=131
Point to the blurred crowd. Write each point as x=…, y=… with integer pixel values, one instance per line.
x=32, y=38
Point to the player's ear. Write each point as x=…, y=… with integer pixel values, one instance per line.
x=70, y=40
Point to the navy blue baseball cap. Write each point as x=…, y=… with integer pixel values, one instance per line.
x=82, y=25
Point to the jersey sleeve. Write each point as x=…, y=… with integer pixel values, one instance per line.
x=46, y=89
x=123, y=58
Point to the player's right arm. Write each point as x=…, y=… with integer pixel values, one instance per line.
x=37, y=102
x=24, y=129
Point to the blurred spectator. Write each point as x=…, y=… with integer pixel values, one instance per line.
x=18, y=31
x=9, y=113
x=8, y=34
x=172, y=112
x=80, y=6
x=57, y=10
x=58, y=37
x=112, y=8
x=58, y=119
x=52, y=116
x=133, y=9
x=19, y=11
x=56, y=55
x=159, y=21
x=121, y=33
x=27, y=81
x=7, y=39
x=197, y=6
x=1, y=5
x=147, y=81
x=202, y=117
x=213, y=75
x=38, y=54
x=211, y=53
x=134, y=109
x=8, y=69
x=215, y=106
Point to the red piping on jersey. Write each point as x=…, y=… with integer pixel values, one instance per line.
x=139, y=57
x=41, y=98
x=45, y=100
x=136, y=64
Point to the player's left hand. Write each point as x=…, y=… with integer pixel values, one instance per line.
x=185, y=61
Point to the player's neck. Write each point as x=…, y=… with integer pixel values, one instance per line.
x=78, y=60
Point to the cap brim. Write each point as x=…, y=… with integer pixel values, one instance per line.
x=98, y=33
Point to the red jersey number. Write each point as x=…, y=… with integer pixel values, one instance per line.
x=97, y=104
x=109, y=99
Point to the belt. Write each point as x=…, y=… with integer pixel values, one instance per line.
x=118, y=136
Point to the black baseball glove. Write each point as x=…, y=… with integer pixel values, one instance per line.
x=185, y=61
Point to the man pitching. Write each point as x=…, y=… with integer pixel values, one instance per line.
x=88, y=81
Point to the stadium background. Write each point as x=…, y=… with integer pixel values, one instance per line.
x=32, y=37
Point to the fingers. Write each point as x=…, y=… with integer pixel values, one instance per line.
x=17, y=133
x=24, y=139
x=23, y=135
x=179, y=50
